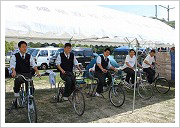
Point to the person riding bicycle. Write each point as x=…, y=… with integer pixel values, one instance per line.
x=102, y=64
x=21, y=63
x=65, y=62
x=148, y=67
x=128, y=67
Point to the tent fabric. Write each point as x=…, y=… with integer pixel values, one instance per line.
x=57, y=22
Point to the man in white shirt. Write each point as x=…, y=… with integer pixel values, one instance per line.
x=102, y=64
x=148, y=67
x=65, y=62
x=21, y=63
x=129, y=67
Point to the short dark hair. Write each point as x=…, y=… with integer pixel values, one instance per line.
x=132, y=50
x=21, y=42
x=107, y=49
x=153, y=51
x=67, y=45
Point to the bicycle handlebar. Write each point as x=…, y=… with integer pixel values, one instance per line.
x=79, y=70
x=26, y=79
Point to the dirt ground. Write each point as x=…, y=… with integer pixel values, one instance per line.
x=159, y=109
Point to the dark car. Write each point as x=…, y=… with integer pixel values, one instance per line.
x=83, y=55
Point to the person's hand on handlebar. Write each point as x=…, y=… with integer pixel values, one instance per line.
x=13, y=73
x=38, y=74
x=91, y=70
x=104, y=70
x=151, y=66
x=115, y=69
x=157, y=64
x=63, y=72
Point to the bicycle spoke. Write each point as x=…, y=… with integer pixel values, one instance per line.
x=117, y=96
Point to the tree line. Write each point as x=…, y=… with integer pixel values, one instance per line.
x=96, y=48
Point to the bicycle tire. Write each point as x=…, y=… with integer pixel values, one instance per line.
x=114, y=91
x=162, y=85
x=78, y=98
x=60, y=91
x=31, y=107
x=145, y=90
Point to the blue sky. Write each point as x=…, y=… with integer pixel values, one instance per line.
x=144, y=10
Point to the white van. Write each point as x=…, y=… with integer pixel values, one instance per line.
x=42, y=56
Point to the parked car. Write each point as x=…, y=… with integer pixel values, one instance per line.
x=42, y=56
x=30, y=50
x=83, y=55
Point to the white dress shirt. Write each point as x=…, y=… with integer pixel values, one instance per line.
x=13, y=61
x=98, y=61
x=58, y=60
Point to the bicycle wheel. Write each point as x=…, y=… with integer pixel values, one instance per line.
x=145, y=90
x=78, y=102
x=117, y=96
x=162, y=85
x=60, y=91
x=32, y=112
x=21, y=98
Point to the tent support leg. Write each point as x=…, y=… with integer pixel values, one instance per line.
x=137, y=46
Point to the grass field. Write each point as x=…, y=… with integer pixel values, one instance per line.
x=159, y=109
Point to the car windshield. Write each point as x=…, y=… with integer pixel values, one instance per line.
x=35, y=52
x=30, y=51
x=58, y=52
x=78, y=53
x=88, y=53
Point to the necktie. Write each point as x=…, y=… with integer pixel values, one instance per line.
x=23, y=57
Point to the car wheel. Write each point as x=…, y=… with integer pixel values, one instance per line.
x=44, y=66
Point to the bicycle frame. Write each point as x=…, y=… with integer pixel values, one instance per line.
x=158, y=75
x=22, y=88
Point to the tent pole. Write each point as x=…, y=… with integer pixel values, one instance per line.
x=137, y=46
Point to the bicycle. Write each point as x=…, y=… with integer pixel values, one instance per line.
x=160, y=83
x=26, y=100
x=116, y=93
x=77, y=100
x=143, y=88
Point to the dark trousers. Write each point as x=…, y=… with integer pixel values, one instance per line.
x=130, y=74
x=18, y=81
x=150, y=73
x=69, y=79
x=102, y=80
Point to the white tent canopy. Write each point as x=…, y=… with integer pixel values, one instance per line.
x=59, y=23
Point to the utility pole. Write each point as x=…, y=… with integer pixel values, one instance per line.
x=156, y=11
x=167, y=10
